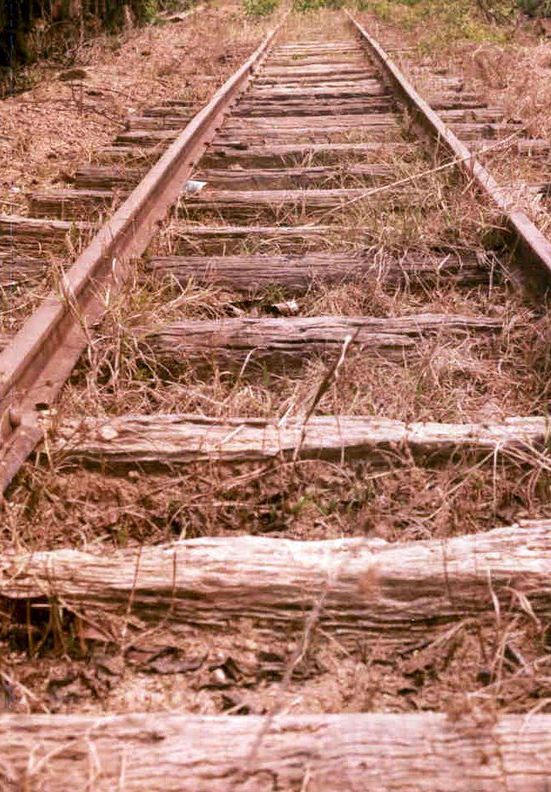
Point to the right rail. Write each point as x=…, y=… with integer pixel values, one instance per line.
x=532, y=249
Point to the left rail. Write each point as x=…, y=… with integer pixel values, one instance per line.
x=42, y=355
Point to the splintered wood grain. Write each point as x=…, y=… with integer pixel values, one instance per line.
x=30, y=236
x=289, y=94
x=287, y=154
x=70, y=203
x=299, y=337
x=291, y=178
x=331, y=107
x=146, y=138
x=301, y=273
x=321, y=753
x=97, y=177
x=228, y=239
x=368, y=121
x=398, y=596
x=250, y=204
x=16, y=270
x=167, y=440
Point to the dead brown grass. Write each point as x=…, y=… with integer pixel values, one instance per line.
x=509, y=70
x=49, y=130
x=473, y=666
x=472, y=669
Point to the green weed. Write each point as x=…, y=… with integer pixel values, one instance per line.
x=535, y=8
x=446, y=22
x=259, y=8
x=315, y=5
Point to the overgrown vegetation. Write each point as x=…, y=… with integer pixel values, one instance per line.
x=259, y=8
x=474, y=20
x=465, y=14
x=314, y=5
x=540, y=8
x=28, y=27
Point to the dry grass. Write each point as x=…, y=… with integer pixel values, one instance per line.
x=55, y=127
x=318, y=25
x=447, y=380
x=49, y=130
x=503, y=669
x=306, y=500
x=470, y=668
x=507, y=66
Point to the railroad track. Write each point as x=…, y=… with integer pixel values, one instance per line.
x=276, y=189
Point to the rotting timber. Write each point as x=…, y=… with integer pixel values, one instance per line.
x=290, y=143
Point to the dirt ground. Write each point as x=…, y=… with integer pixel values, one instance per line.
x=241, y=670
x=46, y=132
x=508, y=64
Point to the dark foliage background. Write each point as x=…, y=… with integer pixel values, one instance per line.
x=20, y=19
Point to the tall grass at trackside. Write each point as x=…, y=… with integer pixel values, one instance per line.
x=445, y=22
x=465, y=15
x=469, y=20
x=30, y=30
x=259, y=8
x=315, y=5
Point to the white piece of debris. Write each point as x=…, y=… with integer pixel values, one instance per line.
x=194, y=186
x=287, y=308
x=108, y=433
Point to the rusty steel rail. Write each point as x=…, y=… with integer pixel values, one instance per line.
x=531, y=248
x=41, y=356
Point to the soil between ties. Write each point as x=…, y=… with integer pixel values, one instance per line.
x=429, y=251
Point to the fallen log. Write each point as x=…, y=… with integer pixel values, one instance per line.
x=373, y=752
x=292, y=337
x=167, y=440
x=395, y=596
